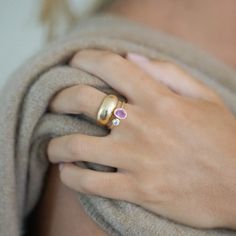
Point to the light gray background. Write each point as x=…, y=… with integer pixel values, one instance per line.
x=21, y=34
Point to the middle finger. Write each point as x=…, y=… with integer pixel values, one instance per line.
x=80, y=147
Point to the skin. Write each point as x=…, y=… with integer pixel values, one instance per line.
x=209, y=24
x=179, y=170
x=59, y=212
x=58, y=201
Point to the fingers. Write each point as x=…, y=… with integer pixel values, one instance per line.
x=119, y=73
x=79, y=147
x=105, y=184
x=80, y=99
x=174, y=77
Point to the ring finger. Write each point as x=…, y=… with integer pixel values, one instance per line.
x=80, y=99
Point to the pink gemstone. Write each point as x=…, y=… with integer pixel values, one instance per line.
x=120, y=113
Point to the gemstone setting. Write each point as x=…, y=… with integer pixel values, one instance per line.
x=116, y=122
x=120, y=113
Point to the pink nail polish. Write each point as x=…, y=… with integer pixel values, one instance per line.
x=137, y=58
x=61, y=165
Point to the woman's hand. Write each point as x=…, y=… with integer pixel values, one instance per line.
x=175, y=153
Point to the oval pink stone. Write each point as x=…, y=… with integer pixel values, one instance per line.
x=120, y=113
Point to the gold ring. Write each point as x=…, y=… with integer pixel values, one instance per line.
x=118, y=114
x=106, y=109
x=111, y=111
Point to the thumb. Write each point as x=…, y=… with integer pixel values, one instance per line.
x=174, y=77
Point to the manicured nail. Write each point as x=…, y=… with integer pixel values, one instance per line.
x=137, y=58
x=61, y=165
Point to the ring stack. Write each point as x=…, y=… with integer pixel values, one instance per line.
x=111, y=111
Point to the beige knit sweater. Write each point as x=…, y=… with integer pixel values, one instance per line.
x=26, y=125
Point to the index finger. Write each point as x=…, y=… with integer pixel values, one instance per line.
x=121, y=74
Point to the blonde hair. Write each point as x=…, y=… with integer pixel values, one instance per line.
x=58, y=17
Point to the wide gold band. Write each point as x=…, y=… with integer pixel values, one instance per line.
x=106, y=109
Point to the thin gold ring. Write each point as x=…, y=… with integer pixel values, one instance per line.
x=118, y=114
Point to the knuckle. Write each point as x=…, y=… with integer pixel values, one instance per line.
x=109, y=58
x=129, y=190
x=154, y=191
x=135, y=113
x=87, y=185
x=101, y=56
x=74, y=146
x=172, y=105
x=75, y=58
x=81, y=96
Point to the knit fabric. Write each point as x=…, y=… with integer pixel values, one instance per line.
x=26, y=125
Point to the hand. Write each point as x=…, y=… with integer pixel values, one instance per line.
x=175, y=154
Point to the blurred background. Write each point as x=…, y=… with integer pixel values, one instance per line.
x=25, y=27
x=21, y=34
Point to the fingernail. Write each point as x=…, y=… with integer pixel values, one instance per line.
x=61, y=165
x=137, y=58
